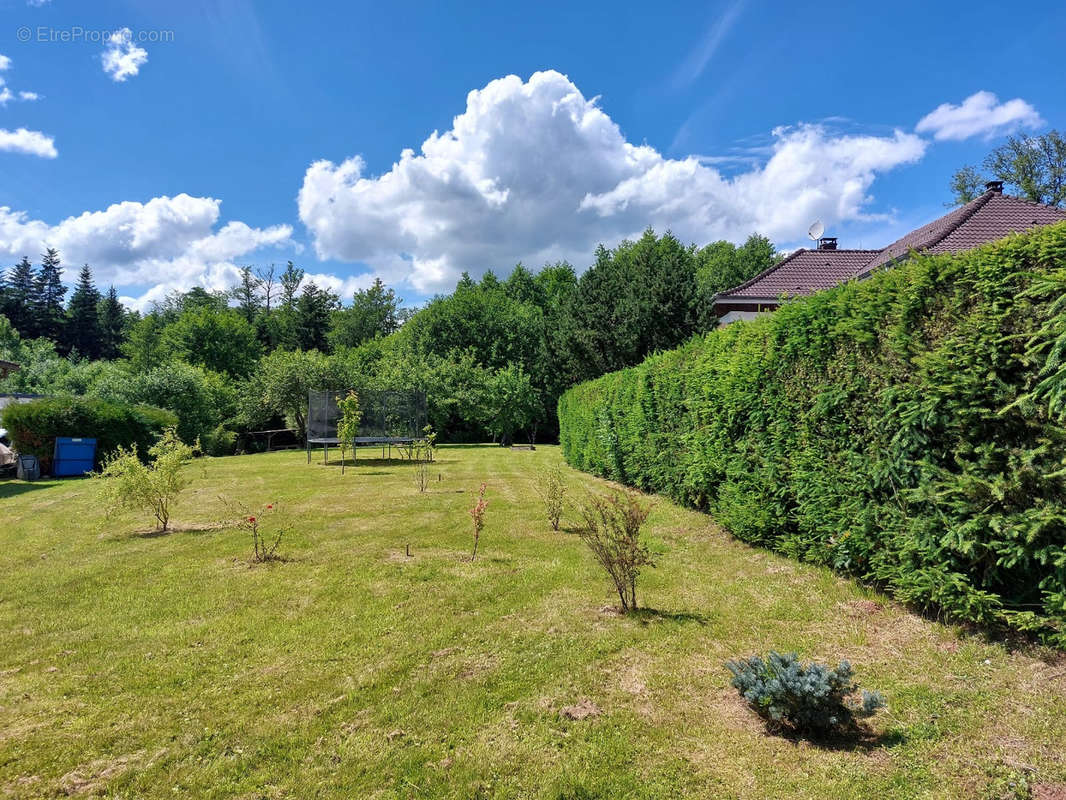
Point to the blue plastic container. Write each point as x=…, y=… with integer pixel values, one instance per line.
x=73, y=456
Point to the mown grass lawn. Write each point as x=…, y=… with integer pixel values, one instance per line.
x=166, y=666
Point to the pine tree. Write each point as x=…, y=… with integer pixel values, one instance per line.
x=50, y=291
x=112, y=322
x=83, y=333
x=246, y=293
x=290, y=281
x=21, y=300
x=313, y=311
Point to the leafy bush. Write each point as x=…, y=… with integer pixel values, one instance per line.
x=907, y=429
x=611, y=530
x=34, y=426
x=203, y=400
x=127, y=482
x=552, y=490
x=807, y=698
x=219, y=441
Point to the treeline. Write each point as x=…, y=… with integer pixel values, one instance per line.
x=909, y=430
x=493, y=356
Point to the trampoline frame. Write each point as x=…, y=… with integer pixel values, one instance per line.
x=406, y=445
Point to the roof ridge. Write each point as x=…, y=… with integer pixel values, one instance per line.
x=800, y=251
x=762, y=274
x=968, y=210
x=1029, y=202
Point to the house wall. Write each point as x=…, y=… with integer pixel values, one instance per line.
x=734, y=316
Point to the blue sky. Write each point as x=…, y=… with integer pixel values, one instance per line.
x=222, y=132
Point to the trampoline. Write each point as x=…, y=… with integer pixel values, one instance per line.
x=389, y=419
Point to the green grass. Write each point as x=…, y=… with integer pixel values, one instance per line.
x=166, y=666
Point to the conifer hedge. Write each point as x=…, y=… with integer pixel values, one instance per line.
x=907, y=429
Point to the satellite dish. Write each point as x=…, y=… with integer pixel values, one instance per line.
x=816, y=230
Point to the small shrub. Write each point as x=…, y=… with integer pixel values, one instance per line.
x=429, y=443
x=807, y=698
x=611, y=529
x=477, y=513
x=348, y=426
x=220, y=441
x=127, y=482
x=256, y=523
x=424, y=453
x=422, y=474
x=552, y=490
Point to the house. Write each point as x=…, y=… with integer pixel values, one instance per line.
x=989, y=217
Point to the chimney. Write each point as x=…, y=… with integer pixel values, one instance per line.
x=827, y=243
x=996, y=187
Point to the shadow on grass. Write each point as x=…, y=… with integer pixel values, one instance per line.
x=14, y=488
x=380, y=462
x=157, y=533
x=857, y=739
x=648, y=615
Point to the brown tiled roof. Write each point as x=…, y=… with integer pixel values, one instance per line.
x=803, y=272
x=985, y=219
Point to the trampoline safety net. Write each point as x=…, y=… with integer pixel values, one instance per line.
x=388, y=416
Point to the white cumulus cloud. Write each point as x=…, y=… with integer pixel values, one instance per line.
x=535, y=171
x=166, y=243
x=980, y=114
x=29, y=96
x=5, y=63
x=122, y=58
x=33, y=143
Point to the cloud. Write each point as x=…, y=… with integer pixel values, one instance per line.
x=980, y=114
x=167, y=243
x=698, y=59
x=37, y=3
x=121, y=58
x=534, y=171
x=6, y=95
x=32, y=143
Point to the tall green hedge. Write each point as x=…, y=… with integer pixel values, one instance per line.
x=907, y=429
x=34, y=426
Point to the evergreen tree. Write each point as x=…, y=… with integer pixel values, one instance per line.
x=112, y=323
x=312, y=318
x=83, y=333
x=523, y=287
x=50, y=291
x=246, y=293
x=21, y=299
x=465, y=284
x=290, y=281
x=375, y=312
